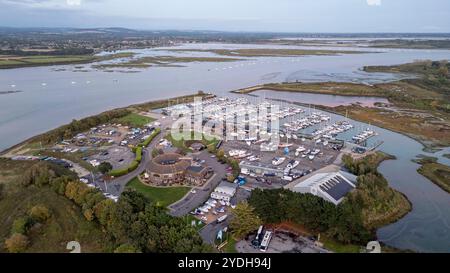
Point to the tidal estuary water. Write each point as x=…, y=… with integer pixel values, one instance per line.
x=52, y=96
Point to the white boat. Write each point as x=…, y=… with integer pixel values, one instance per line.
x=285, y=145
x=292, y=164
x=278, y=161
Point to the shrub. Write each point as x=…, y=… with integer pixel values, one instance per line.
x=146, y=142
x=118, y=172
x=126, y=248
x=133, y=166
x=17, y=243
x=21, y=225
x=138, y=154
x=39, y=213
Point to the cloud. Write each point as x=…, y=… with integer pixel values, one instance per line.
x=73, y=2
x=374, y=2
x=44, y=4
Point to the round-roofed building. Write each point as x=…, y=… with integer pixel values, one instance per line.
x=167, y=169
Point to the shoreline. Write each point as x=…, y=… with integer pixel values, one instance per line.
x=137, y=105
x=251, y=89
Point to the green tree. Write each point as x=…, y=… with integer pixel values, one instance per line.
x=39, y=174
x=103, y=210
x=231, y=178
x=244, y=220
x=221, y=155
x=104, y=167
x=89, y=215
x=17, y=243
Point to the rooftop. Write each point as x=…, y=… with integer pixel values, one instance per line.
x=169, y=163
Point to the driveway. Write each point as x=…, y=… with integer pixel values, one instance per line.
x=195, y=200
x=209, y=232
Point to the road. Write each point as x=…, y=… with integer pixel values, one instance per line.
x=117, y=185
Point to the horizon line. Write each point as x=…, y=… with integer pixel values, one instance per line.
x=212, y=30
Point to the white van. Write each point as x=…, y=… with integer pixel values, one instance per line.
x=287, y=178
x=245, y=171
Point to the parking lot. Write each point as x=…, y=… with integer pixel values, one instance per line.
x=282, y=242
x=263, y=173
x=118, y=156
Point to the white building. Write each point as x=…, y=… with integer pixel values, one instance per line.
x=225, y=191
x=331, y=186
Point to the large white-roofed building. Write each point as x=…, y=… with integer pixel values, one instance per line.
x=329, y=185
x=225, y=191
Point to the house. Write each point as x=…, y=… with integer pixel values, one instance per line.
x=225, y=191
x=197, y=175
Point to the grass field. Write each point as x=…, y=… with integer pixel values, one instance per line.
x=134, y=120
x=65, y=224
x=161, y=196
x=438, y=173
x=329, y=88
x=338, y=247
x=43, y=60
x=184, y=145
x=12, y=62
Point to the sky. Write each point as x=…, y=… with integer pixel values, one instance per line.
x=343, y=16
